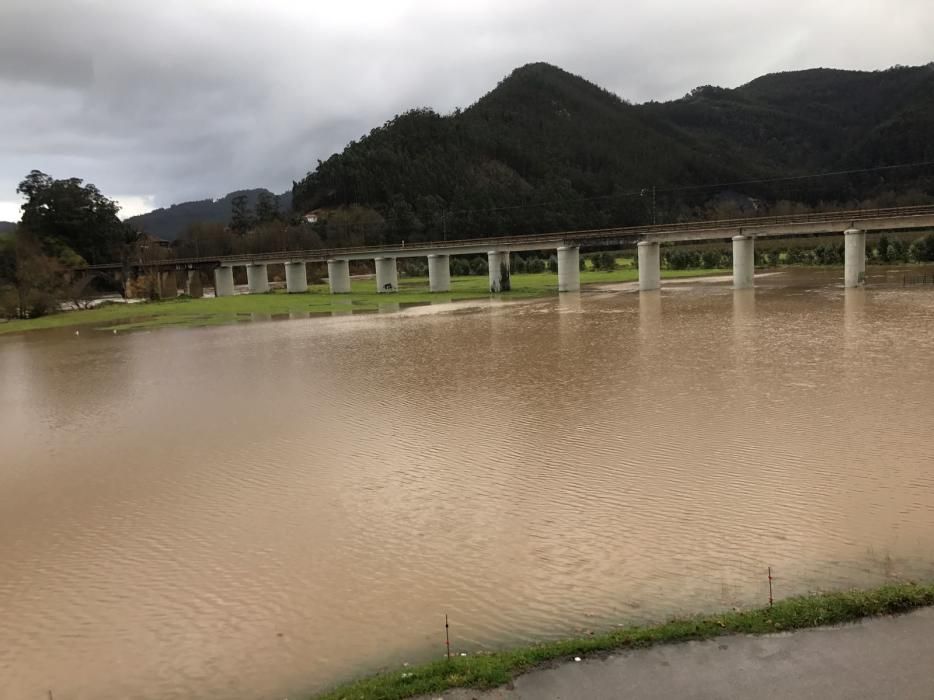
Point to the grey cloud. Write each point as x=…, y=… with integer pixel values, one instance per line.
x=187, y=99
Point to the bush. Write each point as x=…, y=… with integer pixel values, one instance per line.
x=413, y=267
x=553, y=264
x=883, y=248
x=460, y=267
x=922, y=250
x=603, y=261
x=773, y=258
x=536, y=266
x=9, y=302
x=711, y=259
x=40, y=303
x=898, y=251
x=828, y=254
x=518, y=264
x=682, y=259
x=478, y=266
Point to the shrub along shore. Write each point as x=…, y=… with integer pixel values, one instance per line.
x=489, y=670
x=363, y=298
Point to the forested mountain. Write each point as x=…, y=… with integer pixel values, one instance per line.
x=547, y=150
x=171, y=222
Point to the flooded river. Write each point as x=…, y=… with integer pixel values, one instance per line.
x=259, y=511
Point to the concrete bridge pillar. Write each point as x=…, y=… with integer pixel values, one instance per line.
x=223, y=281
x=854, y=258
x=744, y=262
x=168, y=285
x=296, y=277
x=257, y=278
x=498, y=263
x=339, y=276
x=439, y=273
x=650, y=266
x=387, y=275
x=569, y=269
x=193, y=286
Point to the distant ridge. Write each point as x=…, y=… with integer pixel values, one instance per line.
x=170, y=222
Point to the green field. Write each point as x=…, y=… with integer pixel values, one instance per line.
x=494, y=669
x=363, y=298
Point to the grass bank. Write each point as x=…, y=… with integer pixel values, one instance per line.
x=318, y=300
x=490, y=670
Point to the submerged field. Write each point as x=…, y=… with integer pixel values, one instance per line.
x=318, y=300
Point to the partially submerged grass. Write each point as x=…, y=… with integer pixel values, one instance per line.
x=484, y=671
x=318, y=300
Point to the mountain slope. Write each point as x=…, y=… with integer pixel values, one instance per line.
x=170, y=222
x=546, y=136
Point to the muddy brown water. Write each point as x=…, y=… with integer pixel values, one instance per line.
x=262, y=510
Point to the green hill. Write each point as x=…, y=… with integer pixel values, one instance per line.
x=547, y=150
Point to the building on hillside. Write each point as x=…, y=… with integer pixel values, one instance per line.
x=314, y=216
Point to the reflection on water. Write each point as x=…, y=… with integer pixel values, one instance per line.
x=342, y=306
x=263, y=509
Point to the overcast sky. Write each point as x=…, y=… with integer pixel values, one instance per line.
x=162, y=102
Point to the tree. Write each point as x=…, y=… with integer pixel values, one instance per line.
x=479, y=266
x=898, y=251
x=204, y=238
x=922, y=250
x=30, y=281
x=267, y=208
x=604, y=261
x=353, y=226
x=68, y=217
x=460, y=267
x=241, y=218
x=884, y=248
